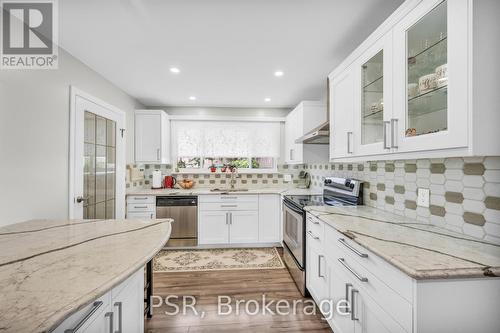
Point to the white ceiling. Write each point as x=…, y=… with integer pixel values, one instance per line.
x=227, y=50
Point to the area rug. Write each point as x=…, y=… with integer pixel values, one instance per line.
x=217, y=259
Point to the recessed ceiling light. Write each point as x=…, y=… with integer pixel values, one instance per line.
x=175, y=70
x=267, y=99
x=192, y=98
x=278, y=73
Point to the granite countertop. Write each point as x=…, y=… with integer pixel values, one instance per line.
x=420, y=250
x=50, y=269
x=206, y=190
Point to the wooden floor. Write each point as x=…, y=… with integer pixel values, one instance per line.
x=276, y=284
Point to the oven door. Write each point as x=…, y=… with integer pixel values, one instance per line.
x=293, y=231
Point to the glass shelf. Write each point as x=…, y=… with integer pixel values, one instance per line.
x=375, y=114
x=372, y=91
x=374, y=83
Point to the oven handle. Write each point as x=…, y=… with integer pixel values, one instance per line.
x=301, y=212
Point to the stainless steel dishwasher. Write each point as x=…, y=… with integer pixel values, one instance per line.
x=184, y=211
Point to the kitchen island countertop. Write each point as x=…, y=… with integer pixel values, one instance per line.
x=50, y=269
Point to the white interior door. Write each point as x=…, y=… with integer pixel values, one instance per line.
x=97, y=159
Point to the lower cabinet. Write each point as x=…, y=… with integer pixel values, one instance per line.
x=238, y=219
x=119, y=310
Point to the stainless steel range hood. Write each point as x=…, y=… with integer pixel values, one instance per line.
x=320, y=134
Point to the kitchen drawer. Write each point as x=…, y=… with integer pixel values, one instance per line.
x=229, y=206
x=143, y=199
x=393, y=304
x=224, y=198
x=141, y=215
x=314, y=231
x=393, y=277
x=141, y=207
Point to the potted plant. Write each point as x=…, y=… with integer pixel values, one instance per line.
x=213, y=168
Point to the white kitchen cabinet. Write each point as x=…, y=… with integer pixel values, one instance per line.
x=317, y=273
x=152, y=137
x=342, y=114
x=305, y=117
x=269, y=218
x=439, y=82
x=243, y=227
x=141, y=207
x=213, y=227
x=119, y=310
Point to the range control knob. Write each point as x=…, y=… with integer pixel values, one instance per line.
x=347, y=183
x=351, y=186
x=328, y=181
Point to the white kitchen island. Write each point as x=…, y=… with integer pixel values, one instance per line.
x=58, y=275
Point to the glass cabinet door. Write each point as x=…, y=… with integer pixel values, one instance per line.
x=372, y=99
x=427, y=76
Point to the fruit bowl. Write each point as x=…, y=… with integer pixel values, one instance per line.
x=186, y=184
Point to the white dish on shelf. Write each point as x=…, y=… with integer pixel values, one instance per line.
x=427, y=83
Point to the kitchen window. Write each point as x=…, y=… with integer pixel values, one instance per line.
x=249, y=146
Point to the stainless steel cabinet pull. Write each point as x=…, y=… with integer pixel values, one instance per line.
x=228, y=206
x=290, y=154
x=394, y=133
x=227, y=218
x=95, y=307
x=347, y=286
x=110, y=316
x=151, y=215
x=140, y=206
x=231, y=218
x=232, y=198
x=120, y=319
x=349, y=151
x=362, y=255
x=353, y=306
x=311, y=234
x=359, y=277
x=158, y=154
x=385, y=134
x=319, y=266
x=136, y=198
x=313, y=221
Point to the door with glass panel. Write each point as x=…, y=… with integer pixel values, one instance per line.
x=98, y=161
x=374, y=103
x=431, y=77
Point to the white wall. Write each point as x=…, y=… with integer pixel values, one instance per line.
x=34, y=134
x=225, y=111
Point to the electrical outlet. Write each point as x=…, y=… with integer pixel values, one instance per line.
x=423, y=197
x=287, y=178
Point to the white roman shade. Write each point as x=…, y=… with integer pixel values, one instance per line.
x=225, y=139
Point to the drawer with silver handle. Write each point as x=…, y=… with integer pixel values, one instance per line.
x=229, y=206
x=143, y=199
x=228, y=198
x=140, y=207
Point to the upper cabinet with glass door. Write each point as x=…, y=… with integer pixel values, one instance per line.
x=431, y=90
x=373, y=109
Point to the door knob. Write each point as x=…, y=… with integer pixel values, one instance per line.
x=80, y=199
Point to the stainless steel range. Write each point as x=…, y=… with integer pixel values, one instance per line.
x=337, y=192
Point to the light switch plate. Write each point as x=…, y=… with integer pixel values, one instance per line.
x=423, y=197
x=287, y=178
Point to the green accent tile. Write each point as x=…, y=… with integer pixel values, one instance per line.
x=381, y=187
x=146, y=182
x=295, y=181
x=326, y=166
x=455, y=197
x=437, y=210
x=474, y=169
x=492, y=203
x=320, y=167
x=196, y=176
x=474, y=218
x=285, y=166
x=349, y=167
x=366, y=184
x=438, y=168
x=270, y=175
x=389, y=167
x=212, y=181
x=389, y=200
x=201, y=182
x=243, y=181
x=410, y=168
x=260, y=175
x=157, y=166
x=217, y=176
x=264, y=181
x=280, y=175
x=341, y=167
x=275, y=181
x=254, y=181
x=127, y=185
x=223, y=181
x=373, y=166
x=373, y=196
x=332, y=166
x=361, y=167
x=399, y=189
x=249, y=176
x=206, y=176
x=410, y=204
x=146, y=166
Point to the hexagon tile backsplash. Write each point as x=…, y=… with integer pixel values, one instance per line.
x=465, y=192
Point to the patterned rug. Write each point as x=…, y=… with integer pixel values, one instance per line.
x=217, y=259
